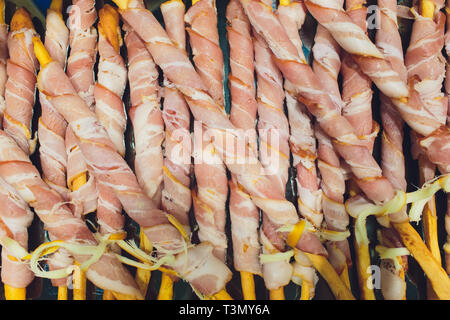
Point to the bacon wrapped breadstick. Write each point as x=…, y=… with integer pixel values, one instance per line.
x=273, y=131
x=21, y=84
x=177, y=168
x=244, y=214
x=212, y=183
x=110, y=111
x=302, y=143
x=80, y=69
x=201, y=19
x=428, y=67
x=176, y=194
x=326, y=66
x=108, y=166
x=15, y=218
x=52, y=127
x=357, y=98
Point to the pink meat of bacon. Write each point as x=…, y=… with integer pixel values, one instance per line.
x=80, y=69
x=212, y=185
x=83, y=48
x=241, y=77
x=109, y=167
x=20, y=88
x=243, y=165
x=210, y=198
x=204, y=39
x=110, y=111
x=18, y=171
x=15, y=218
x=244, y=214
x=146, y=117
x=52, y=127
x=176, y=194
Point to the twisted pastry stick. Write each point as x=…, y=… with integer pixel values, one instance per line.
x=273, y=130
x=357, y=97
x=21, y=84
x=212, y=183
x=177, y=168
x=326, y=66
x=201, y=19
x=52, y=130
x=393, y=285
x=109, y=108
x=52, y=127
x=244, y=214
x=15, y=218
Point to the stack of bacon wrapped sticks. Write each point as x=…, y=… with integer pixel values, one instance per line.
x=256, y=161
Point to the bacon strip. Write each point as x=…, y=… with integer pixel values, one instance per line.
x=21, y=84
x=273, y=130
x=18, y=171
x=110, y=110
x=239, y=159
x=176, y=194
x=108, y=167
x=15, y=218
x=212, y=184
x=201, y=19
x=80, y=69
x=326, y=66
x=393, y=284
x=52, y=127
x=244, y=214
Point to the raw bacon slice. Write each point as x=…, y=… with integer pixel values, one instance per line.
x=244, y=214
x=52, y=127
x=176, y=194
x=201, y=19
x=110, y=110
x=21, y=84
x=15, y=218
